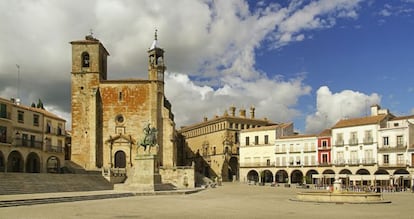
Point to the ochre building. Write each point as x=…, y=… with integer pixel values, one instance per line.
x=213, y=144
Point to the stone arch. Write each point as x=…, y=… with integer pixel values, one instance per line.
x=53, y=164
x=2, y=164
x=309, y=179
x=85, y=59
x=233, y=168
x=120, y=159
x=32, y=163
x=281, y=176
x=296, y=176
x=15, y=162
x=252, y=175
x=401, y=172
x=345, y=171
x=266, y=176
x=328, y=177
x=363, y=172
x=328, y=171
x=381, y=172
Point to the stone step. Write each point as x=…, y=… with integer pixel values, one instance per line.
x=27, y=183
x=22, y=202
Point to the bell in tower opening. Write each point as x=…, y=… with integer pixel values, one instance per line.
x=156, y=65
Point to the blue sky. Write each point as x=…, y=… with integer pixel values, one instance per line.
x=310, y=62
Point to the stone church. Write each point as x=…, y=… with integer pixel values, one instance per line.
x=109, y=116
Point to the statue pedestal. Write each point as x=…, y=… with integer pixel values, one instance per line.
x=144, y=174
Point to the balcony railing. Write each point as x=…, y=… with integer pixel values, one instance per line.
x=389, y=148
x=353, y=141
x=398, y=164
x=19, y=142
x=368, y=140
x=257, y=164
x=52, y=148
x=339, y=143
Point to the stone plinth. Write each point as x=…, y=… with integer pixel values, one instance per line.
x=144, y=175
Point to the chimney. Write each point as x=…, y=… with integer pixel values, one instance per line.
x=374, y=110
x=252, y=112
x=233, y=110
x=243, y=113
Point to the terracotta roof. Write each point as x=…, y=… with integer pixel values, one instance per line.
x=326, y=132
x=297, y=136
x=267, y=127
x=247, y=120
x=370, y=120
x=42, y=111
x=403, y=117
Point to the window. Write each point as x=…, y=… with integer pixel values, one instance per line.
x=339, y=139
x=85, y=59
x=120, y=97
x=48, y=127
x=25, y=138
x=354, y=139
x=324, y=143
x=3, y=110
x=35, y=120
x=256, y=140
x=214, y=150
x=268, y=162
x=400, y=159
x=354, y=157
x=247, y=141
x=32, y=140
x=59, y=129
x=20, y=116
x=368, y=137
x=3, y=134
x=324, y=158
x=266, y=139
x=385, y=141
x=369, y=156
x=400, y=140
x=242, y=126
x=386, y=159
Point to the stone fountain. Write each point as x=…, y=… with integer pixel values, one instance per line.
x=337, y=195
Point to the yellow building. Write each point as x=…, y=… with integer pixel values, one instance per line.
x=31, y=139
x=213, y=145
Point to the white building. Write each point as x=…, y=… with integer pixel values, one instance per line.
x=257, y=148
x=296, y=152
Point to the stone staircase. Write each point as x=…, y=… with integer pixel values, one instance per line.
x=28, y=183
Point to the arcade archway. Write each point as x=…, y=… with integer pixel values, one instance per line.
x=33, y=163
x=281, y=176
x=296, y=177
x=53, y=164
x=267, y=176
x=252, y=175
x=15, y=162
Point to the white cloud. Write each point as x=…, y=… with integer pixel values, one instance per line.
x=272, y=98
x=331, y=107
x=212, y=46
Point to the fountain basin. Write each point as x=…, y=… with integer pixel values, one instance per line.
x=341, y=197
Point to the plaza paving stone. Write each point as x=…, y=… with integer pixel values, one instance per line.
x=232, y=200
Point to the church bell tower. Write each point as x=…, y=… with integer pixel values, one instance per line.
x=156, y=67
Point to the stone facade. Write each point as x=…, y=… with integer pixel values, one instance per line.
x=32, y=140
x=213, y=145
x=109, y=116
